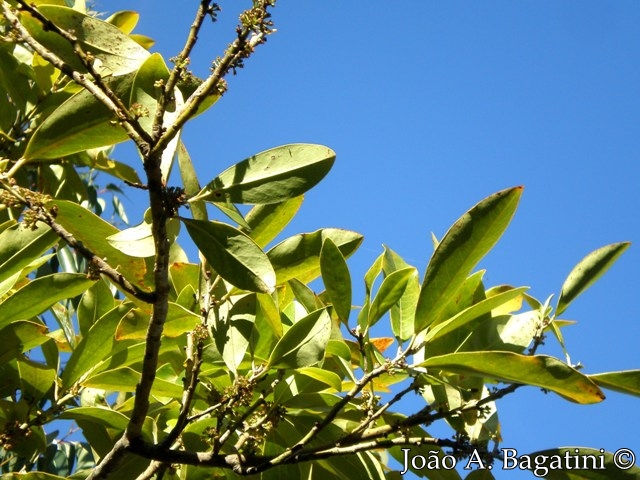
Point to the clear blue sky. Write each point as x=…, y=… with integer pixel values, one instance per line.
x=432, y=106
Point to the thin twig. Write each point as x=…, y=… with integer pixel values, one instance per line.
x=179, y=67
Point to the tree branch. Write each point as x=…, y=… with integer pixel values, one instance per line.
x=179, y=66
x=98, y=89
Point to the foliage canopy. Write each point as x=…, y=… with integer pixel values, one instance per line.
x=233, y=365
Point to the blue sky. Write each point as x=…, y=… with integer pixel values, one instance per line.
x=431, y=106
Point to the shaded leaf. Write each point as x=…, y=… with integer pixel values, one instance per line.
x=538, y=370
x=36, y=380
x=299, y=256
x=390, y=291
x=20, y=337
x=304, y=344
x=470, y=238
x=95, y=302
x=271, y=176
x=336, y=278
x=267, y=221
x=190, y=182
x=233, y=255
x=588, y=270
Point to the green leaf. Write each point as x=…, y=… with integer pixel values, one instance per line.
x=80, y=123
x=20, y=245
x=134, y=326
x=327, y=377
x=470, y=238
x=591, y=464
x=138, y=241
x=336, y=278
x=538, y=370
x=626, y=381
x=40, y=294
x=390, y=292
x=190, y=182
x=305, y=295
x=114, y=51
x=404, y=311
x=267, y=221
x=233, y=212
x=20, y=337
x=31, y=476
x=125, y=379
x=95, y=302
x=232, y=332
x=100, y=415
x=271, y=176
x=35, y=380
x=587, y=272
x=100, y=160
x=270, y=311
x=93, y=231
x=471, y=313
x=125, y=20
x=95, y=346
x=304, y=344
x=233, y=255
x=299, y=256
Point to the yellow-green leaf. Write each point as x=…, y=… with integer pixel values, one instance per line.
x=538, y=370
x=587, y=272
x=470, y=238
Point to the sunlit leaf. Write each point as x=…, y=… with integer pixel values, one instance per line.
x=125, y=379
x=93, y=231
x=40, y=294
x=587, y=272
x=470, y=238
x=233, y=255
x=626, y=381
x=473, y=312
x=80, y=123
x=115, y=53
x=539, y=370
x=138, y=241
x=125, y=20
x=304, y=344
x=95, y=346
x=271, y=176
x=21, y=245
x=134, y=325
